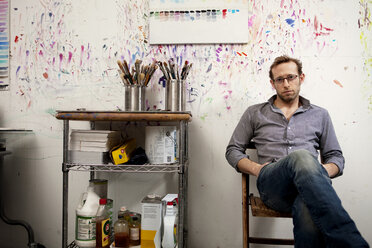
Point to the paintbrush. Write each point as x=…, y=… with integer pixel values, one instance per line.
x=168, y=70
x=137, y=66
x=141, y=78
x=128, y=79
x=171, y=67
x=183, y=71
x=187, y=71
x=121, y=66
x=126, y=68
x=146, y=69
x=125, y=81
x=150, y=73
x=177, y=73
x=163, y=70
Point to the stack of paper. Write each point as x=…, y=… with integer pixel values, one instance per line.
x=94, y=140
x=92, y=146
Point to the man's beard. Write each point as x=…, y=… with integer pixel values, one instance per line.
x=288, y=98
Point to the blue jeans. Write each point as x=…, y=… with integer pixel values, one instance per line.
x=299, y=184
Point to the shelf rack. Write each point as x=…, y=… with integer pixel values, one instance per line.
x=146, y=168
x=182, y=118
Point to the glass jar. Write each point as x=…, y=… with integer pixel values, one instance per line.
x=121, y=230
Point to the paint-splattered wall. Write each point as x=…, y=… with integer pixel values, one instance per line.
x=64, y=53
x=63, y=50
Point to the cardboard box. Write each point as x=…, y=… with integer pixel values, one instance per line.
x=151, y=222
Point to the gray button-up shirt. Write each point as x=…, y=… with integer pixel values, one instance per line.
x=275, y=137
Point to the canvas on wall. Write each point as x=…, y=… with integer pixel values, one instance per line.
x=4, y=44
x=198, y=22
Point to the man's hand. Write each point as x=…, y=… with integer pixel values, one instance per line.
x=332, y=169
x=246, y=165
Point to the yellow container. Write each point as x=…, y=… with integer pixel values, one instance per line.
x=121, y=154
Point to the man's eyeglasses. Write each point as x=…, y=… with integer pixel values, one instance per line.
x=289, y=78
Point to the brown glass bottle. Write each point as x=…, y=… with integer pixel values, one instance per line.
x=135, y=231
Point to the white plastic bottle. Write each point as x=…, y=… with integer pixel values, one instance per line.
x=169, y=222
x=85, y=233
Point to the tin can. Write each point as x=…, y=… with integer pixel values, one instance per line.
x=137, y=98
x=142, y=98
x=134, y=97
x=172, y=95
x=182, y=95
x=126, y=98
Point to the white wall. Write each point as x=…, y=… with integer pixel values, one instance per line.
x=223, y=83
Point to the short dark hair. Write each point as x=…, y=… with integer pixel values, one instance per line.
x=285, y=59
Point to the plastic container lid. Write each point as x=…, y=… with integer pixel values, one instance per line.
x=102, y=201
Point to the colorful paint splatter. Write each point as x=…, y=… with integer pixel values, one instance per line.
x=4, y=44
x=64, y=56
x=365, y=26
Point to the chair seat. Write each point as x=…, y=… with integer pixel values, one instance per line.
x=259, y=209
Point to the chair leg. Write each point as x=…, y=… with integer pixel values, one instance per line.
x=245, y=207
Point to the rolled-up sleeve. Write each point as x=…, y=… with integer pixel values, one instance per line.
x=330, y=149
x=239, y=141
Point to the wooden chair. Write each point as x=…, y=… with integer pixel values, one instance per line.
x=259, y=209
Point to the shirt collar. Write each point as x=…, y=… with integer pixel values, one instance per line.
x=305, y=103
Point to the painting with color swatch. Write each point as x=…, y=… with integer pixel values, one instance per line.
x=198, y=22
x=4, y=44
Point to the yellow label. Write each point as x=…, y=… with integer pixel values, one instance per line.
x=105, y=232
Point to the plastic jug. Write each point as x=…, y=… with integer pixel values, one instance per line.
x=85, y=233
x=170, y=226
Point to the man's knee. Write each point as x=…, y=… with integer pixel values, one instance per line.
x=301, y=155
x=303, y=160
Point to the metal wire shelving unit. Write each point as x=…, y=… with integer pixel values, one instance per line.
x=145, y=117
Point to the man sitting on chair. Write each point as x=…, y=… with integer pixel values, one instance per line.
x=288, y=131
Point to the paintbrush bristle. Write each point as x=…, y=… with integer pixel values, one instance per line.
x=141, y=77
